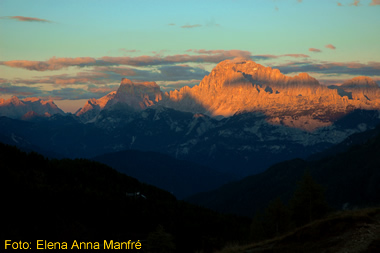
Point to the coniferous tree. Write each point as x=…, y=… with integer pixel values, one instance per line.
x=308, y=202
x=274, y=221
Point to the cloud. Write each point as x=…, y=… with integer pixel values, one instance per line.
x=300, y=1
x=128, y=50
x=20, y=91
x=276, y=8
x=2, y=80
x=356, y=3
x=191, y=26
x=162, y=73
x=330, y=46
x=332, y=68
x=172, y=24
x=316, y=50
x=28, y=19
x=122, y=71
x=51, y=64
x=339, y=4
x=66, y=93
x=295, y=55
x=375, y=2
x=90, y=77
x=210, y=56
x=271, y=56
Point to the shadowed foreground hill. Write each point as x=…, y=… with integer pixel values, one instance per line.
x=350, y=179
x=350, y=231
x=62, y=200
x=181, y=178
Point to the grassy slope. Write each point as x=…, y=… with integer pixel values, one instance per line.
x=347, y=231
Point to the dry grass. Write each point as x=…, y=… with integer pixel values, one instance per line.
x=345, y=231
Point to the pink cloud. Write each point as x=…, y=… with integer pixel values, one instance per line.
x=103, y=89
x=65, y=79
x=2, y=80
x=330, y=46
x=339, y=4
x=211, y=56
x=356, y=3
x=51, y=64
x=29, y=19
x=295, y=55
x=191, y=26
x=316, y=50
x=375, y=2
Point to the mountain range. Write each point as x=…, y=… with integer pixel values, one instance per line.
x=28, y=108
x=241, y=119
x=235, y=86
x=350, y=179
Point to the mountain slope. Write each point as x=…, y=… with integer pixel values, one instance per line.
x=63, y=200
x=181, y=178
x=350, y=231
x=351, y=179
x=241, y=145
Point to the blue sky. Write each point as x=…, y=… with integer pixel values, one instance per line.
x=70, y=51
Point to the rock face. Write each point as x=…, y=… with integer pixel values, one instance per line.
x=362, y=88
x=27, y=108
x=299, y=101
x=235, y=86
x=137, y=96
x=232, y=87
x=94, y=106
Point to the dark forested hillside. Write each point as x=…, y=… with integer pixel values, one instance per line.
x=84, y=200
x=181, y=178
x=350, y=179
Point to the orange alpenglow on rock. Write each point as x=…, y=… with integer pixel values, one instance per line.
x=240, y=85
x=28, y=108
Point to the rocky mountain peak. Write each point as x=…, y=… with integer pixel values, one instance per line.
x=16, y=108
x=138, y=95
x=360, y=81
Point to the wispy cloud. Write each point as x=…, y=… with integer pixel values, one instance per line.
x=191, y=26
x=334, y=68
x=172, y=24
x=375, y=2
x=271, y=56
x=211, y=56
x=27, y=19
x=339, y=4
x=129, y=50
x=316, y=50
x=330, y=46
x=51, y=64
x=355, y=3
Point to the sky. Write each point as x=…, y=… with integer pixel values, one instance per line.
x=74, y=50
